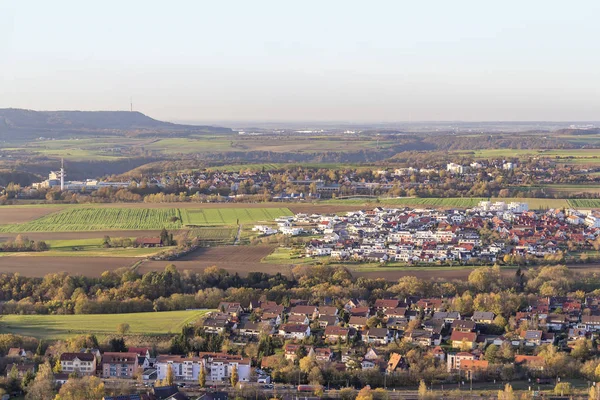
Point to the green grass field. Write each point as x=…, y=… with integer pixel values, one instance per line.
x=95, y=219
x=284, y=255
x=220, y=235
x=85, y=248
x=231, y=216
x=64, y=326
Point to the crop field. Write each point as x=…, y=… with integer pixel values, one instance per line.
x=202, y=144
x=215, y=235
x=571, y=189
x=97, y=219
x=231, y=216
x=564, y=190
x=584, y=203
x=64, y=326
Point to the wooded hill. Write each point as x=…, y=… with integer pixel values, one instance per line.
x=30, y=124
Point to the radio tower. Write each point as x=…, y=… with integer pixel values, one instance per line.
x=131, y=104
x=62, y=174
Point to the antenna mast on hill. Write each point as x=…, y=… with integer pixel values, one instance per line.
x=131, y=104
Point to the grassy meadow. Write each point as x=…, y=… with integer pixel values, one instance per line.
x=231, y=216
x=64, y=326
x=91, y=247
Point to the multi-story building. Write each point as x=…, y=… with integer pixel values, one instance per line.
x=184, y=368
x=218, y=367
x=119, y=365
x=81, y=363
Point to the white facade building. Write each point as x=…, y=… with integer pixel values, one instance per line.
x=218, y=367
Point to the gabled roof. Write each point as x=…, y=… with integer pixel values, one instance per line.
x=460, y=336
x=378, y=332
x=81, y=356
x=294, y=328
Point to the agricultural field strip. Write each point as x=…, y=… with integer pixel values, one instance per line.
x=95, y=219
x=60, y=326
x=231, y=216
x=101, y=219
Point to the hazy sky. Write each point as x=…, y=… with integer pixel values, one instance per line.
x=305, y=60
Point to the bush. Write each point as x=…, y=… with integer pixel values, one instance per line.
x=563, y=389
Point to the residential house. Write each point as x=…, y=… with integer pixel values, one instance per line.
x=472, y=367
x=335, y=334
x=311, y=312
x=461, y=340
x=358, y=323
x=463, y=325
x=454, y=360
x=377, y=336
x=323, y=354
x=291, y=351
x=294, y=331
x=80, y=363
x=217, y=325
x=384, y=304
x=327, y=320
x=590, y=323
x=394, y=363
x=21, y=369
x=483, y=317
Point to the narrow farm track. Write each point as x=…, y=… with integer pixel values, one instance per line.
x=237, y=236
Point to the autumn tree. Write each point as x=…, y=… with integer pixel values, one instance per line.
x=594, y=393
x=507, y=393
x=202, y=377
x=169, y=375
x=123, y=328
x=562, y=389
x=422, y=390
x=42, y=387
x=88, y=387
x=234, y=376
x=365, y=394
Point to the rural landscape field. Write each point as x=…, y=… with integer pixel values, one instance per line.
x=247, y=200
x=52, y=327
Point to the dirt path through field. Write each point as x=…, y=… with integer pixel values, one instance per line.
x=237, y=236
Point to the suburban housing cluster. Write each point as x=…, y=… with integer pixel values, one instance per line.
x=485, y=233
x=357, y=334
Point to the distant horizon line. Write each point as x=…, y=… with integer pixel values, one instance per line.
x=177, y=120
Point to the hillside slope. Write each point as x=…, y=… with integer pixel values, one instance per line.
x=29, y=123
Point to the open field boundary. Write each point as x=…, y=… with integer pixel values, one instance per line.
x=62, y=326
